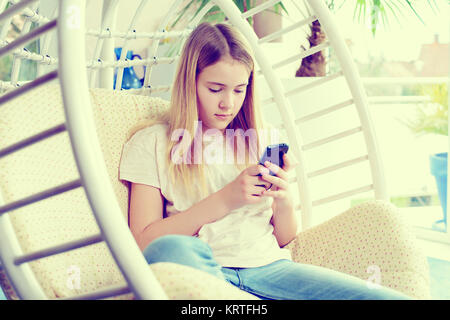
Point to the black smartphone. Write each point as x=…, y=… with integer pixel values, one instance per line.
x=274, y=154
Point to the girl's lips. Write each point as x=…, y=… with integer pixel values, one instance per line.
x=222, y=116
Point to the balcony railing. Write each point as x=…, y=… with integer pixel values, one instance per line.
x=420, y=217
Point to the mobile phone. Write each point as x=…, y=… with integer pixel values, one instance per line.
x=274, y=154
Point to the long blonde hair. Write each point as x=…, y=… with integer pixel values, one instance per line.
x=206, y=45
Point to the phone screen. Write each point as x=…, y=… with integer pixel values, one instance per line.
x=274, y=154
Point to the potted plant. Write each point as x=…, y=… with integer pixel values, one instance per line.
x=432, y=118
x=264, y=22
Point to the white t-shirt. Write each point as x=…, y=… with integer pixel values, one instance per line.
x=243, y=238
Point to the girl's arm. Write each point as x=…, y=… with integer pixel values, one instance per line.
x=147, y=205
x=284, y=224
x=146, y=214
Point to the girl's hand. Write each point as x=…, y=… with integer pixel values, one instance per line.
x=280, y=189
x=247, y=188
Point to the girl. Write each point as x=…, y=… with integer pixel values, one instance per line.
x=198, y=198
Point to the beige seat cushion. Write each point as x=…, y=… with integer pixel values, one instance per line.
x=370, y=241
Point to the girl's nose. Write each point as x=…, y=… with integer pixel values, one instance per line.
x=226, y=102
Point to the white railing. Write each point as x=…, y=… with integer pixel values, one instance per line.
x=401, y=81
x=398, y=99
x=413, y=101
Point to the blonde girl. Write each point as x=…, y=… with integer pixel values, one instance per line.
x=199, y=197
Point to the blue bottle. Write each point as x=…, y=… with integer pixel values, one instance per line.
x=438, y=165
x=129, y=78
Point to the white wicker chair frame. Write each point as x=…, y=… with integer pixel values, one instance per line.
x=71, y=62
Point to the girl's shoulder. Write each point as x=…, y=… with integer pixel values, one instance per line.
x=157, y=131
x=156, y=128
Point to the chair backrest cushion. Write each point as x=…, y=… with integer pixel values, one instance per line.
x=49, y=163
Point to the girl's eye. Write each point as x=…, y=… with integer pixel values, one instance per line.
x=218, y=90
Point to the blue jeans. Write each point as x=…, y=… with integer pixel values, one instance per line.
x=281, y=280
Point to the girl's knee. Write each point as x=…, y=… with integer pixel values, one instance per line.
x=173, y=248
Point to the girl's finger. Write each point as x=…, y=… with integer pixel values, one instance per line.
x=279, y=194
x=276, y=169
x=256, y=170
x=278, y=182
x=286, y=162
x=263, y=183
x=257, y=190
x=289, y=163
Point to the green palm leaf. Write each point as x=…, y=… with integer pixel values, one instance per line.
x=378, y=10
x=215, y=15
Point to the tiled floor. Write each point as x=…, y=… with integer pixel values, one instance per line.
x=439, y=278
x=422, y=216
x=438, y=254
x=435, y=250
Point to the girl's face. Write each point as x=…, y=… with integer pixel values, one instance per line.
x=221, y=90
